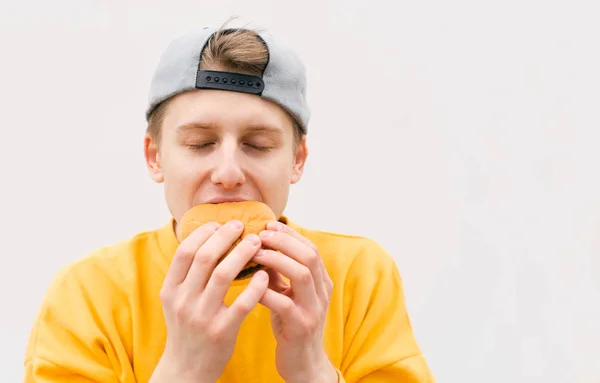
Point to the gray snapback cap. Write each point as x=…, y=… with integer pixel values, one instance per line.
x=283, y=80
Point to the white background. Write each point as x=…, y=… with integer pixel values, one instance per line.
x=463, y=136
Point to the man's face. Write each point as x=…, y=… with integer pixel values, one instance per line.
x=219, y=146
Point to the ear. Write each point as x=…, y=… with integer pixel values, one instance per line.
x=299, y=161
x=152, y=154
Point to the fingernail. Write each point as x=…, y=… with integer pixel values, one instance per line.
x=259, y=254
x=252, y=239
x=262, y=275
x=266, y=233
x=277, y=226
x=237, y=225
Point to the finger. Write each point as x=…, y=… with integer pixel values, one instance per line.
x=278, y=226
x=246, y=301
x=327, y=282
x=276, y=281
x=278, y=303
x=184, y=255
x=228, y=270
x=208, y=254
x=302, y=282
x=297, y=250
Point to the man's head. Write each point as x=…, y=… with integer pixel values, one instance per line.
x=207, y=143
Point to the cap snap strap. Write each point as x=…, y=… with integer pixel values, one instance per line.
x=237, y=82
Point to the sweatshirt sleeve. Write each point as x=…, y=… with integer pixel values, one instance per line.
x=75, y=335
x=380, y=345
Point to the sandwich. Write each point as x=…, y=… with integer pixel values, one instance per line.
x=253, y=214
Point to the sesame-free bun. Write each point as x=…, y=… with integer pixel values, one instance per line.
x=253, y=214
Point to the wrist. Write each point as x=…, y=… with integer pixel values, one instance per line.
x=327, y=374
x=168, y=371
x=323, y=372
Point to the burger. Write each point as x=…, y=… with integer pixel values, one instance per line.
x=253, y=214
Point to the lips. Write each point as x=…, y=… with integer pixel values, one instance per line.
x=226, y=199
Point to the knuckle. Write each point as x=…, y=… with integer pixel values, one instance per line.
x=313, y=260
x=242, y=308
x=216, y=334
x=308, y=327
x=304, y=276
x=185, y=252
x=288, y=306
x=181, y=311
x=329, y=285
x=165, y=295
x=221, y=276
x=312, y=326
x=313, y=247
x=203, y=258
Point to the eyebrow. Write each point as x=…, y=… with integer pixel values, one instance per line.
x=195, y=126
x=192, y=126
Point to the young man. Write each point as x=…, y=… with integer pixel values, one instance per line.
x=227, y=121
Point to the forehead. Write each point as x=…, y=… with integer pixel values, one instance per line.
x=226, y=110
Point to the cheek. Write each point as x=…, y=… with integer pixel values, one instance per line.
x=273, y=174
x=274, y=183
x=182, y=180
x=182, y=170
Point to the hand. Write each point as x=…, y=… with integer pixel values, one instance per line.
x=201, y=330
x=298, y=311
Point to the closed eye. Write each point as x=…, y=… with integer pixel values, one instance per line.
x=201, y=146
x=258, y=147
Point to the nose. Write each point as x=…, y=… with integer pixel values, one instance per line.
x=228, y=172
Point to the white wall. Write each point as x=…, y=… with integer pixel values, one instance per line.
x=461, y=135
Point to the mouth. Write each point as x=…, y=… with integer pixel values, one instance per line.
x=225, y=199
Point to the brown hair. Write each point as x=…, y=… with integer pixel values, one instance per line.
x=232, y=50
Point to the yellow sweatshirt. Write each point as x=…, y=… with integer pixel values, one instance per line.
x=102, y=321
